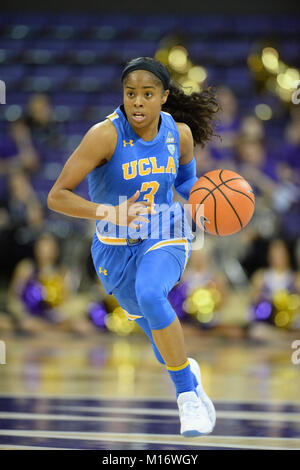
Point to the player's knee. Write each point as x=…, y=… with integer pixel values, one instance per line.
x=147, y=293
x=154, y=305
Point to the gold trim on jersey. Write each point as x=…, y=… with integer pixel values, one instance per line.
x=174, y=241
x=116, y=240
x=130, y=316
x=111, y=240
x=124, y=241
x=113, y=116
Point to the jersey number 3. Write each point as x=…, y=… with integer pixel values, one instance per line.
x=153, y=185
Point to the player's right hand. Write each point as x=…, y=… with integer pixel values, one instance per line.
x=130, y=213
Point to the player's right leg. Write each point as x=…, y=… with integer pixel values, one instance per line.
x=157, y=273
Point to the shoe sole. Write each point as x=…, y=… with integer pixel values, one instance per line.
x=193, y=433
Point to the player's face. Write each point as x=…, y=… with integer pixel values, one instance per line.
x=143, y=98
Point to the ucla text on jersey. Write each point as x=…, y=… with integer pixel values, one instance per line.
x=148, y=166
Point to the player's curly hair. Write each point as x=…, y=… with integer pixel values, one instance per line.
x=198, y=110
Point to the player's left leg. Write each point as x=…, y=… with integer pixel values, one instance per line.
x=157, y=272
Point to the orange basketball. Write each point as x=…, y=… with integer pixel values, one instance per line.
x=227, y=199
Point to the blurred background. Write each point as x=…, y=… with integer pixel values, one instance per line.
x=61, y=72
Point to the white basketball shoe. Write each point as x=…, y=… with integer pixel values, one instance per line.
x=205, y=399
x=193, y=415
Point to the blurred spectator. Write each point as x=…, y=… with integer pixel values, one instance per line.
x=201, y=273
x=291, y=147
x=29, y=159
x=23, y=203
x=278, y=274
x=204, y=161
x=21, y=220
x=275, y=292
x=17, y=152
x=286, y=201
x=228, y=126
x=252, y=128
x=43, y=293
x=40, y=120
x=252, y=162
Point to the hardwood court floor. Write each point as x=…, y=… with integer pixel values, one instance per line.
x=108, y=392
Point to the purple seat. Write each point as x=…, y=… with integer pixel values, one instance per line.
x=289, y=51
x=253, y=24
x=56, y=72
x=68, y=99
x=44, y=51
x=76, y=128
x=127, y=50
x=10, y=45
x=96, y=46
x=48, y=44
x=18, y=97
x=45, y=79
x=103, y=72
x=121, y=22
x=76, y=20
x=289, y=24
x=91, y=79
x=238, y=78
x=231, y=51
x=52, y=156
x=26, y=18
x=106, y=99
x=12, y=72
x=206, y=24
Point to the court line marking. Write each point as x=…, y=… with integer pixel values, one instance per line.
x=37, y=417
x=235, y=414
x=170, y=439
x=96, y=397
x=232, y=415
x=20, y=447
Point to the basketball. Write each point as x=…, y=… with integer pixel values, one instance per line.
x=228, y=202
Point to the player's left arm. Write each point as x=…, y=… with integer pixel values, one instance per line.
x=186, y=175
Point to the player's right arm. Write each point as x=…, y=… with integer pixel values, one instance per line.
x=96, y=147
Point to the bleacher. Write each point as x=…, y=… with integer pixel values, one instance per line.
x=77, y=60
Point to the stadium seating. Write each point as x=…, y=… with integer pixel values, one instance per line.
x=77, y=59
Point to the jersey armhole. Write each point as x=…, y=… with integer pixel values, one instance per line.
x=118, y=138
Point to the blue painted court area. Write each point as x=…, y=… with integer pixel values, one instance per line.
x=109, y=393
x=67, y=423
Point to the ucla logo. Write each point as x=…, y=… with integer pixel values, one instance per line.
x=170, y=138
x=147, y=166
x=128, y=143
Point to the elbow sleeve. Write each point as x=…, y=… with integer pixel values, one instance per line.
x=186, y=178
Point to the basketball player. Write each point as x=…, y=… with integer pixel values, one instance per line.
x=140, y=151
